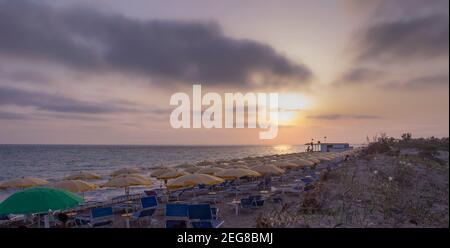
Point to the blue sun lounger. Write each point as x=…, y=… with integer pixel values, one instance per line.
x=177, y=215
x=201, y=216
x=148, y=208
x=98, y=217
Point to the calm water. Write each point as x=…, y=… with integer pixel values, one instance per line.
x=53, y=162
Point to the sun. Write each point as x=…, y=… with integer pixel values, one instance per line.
x=290, y=105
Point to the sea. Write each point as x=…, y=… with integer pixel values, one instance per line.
x=54, y=162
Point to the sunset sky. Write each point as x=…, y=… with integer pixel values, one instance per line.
x=102, y=72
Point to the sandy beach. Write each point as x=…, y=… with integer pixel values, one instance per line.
x=398, y=186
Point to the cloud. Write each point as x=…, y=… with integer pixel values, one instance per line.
x=359, y=75
x=24, y=76
x=420, y=83
x=49, y=102
x=12, y=116
x=167, y=51
x=343, y=117
x=420, y=38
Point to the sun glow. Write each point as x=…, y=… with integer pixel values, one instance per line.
x=290, y=107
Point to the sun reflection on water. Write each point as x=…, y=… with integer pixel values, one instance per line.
x=283, y=149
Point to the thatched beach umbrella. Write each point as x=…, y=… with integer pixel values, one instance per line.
x=193, y=180
x=83, y=175
x=133, y=175
x=312, y=159
x=126, y=181
x=74, y=186
x=23, y=182
x=237, y=173
x=159, y=172
x=286, y=165
x=125, y=171
x=192, y=169
x=210, y=170
x=222, y=165
x=303, y=162
x=267, y=169
x=205, y=163
x=172, y=174
x=240, y=166
x=184, y=166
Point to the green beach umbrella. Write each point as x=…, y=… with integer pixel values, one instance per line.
x=39, y=200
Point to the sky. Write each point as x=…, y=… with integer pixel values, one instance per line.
x=103, y=72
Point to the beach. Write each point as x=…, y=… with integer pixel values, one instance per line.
x=362, y=187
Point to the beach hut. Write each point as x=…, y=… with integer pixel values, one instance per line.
x=23, y=182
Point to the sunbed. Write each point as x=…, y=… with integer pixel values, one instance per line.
x=201, y=216
x=98, y=217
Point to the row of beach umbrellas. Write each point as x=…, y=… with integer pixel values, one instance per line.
x=59, y=195
x=126, y=177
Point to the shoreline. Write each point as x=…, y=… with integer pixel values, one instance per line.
x=364, y=189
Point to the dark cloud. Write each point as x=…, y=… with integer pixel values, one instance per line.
x=398, y=32
x=49, y=102
x=420, y=38
x=166, y=50
x=342, y=117
x=420, y=83
x=359, y=75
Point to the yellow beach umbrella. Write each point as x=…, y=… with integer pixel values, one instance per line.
x=126, y=182
x=286, y=165
x=172, y=174
x=184, y=165
x=125, y=171
x=240, y=166
x=192, y=169
x=222, y=165
x=303, y=162
x=133, y=175
x=312, y=159
x=205, y=163
x=267, y=169
x=322, y=158
x=192, y=180
x=159, y=172
x=237, y=173
x=74, y=186
x=23, y=182
x=210, y=170
x=83, y=175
